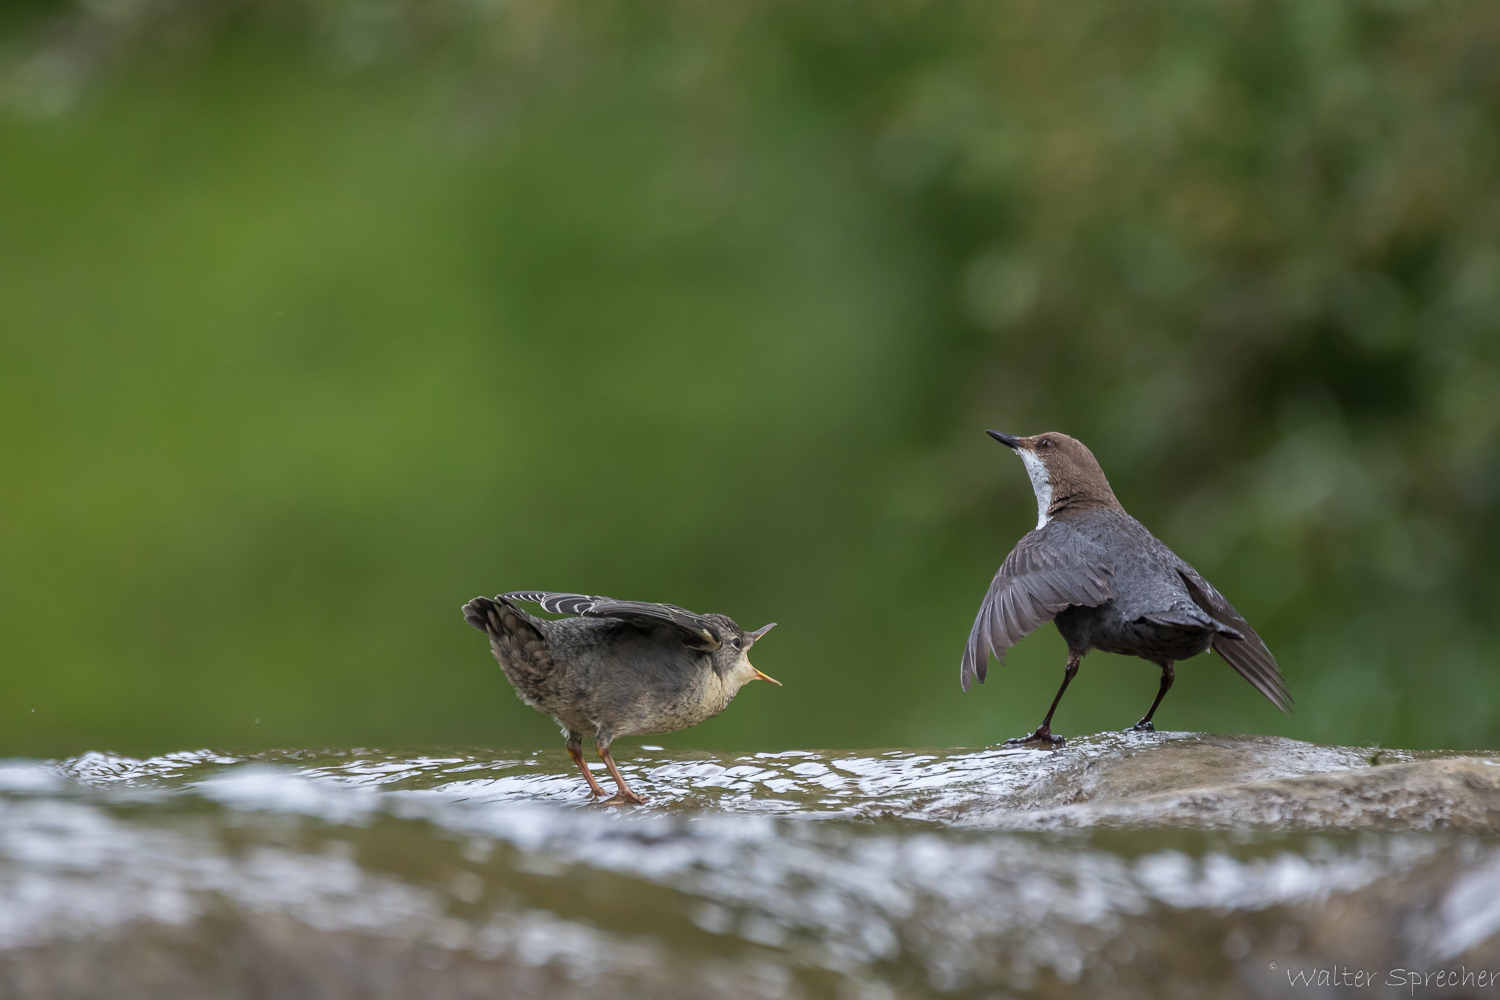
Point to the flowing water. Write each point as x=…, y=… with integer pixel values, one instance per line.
x=803, y=874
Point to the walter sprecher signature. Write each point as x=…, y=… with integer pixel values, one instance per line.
x=1337, y=975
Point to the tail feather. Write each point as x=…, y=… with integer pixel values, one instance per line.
x=478, y=611
x=1239, y=644
x=1253, y=661
x=518, y=640
x=498, y=616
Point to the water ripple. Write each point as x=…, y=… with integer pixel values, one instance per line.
x=796, y=874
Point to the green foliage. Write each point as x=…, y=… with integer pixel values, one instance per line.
x=319, y=318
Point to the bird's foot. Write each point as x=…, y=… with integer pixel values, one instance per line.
x=1043, y=736
x=1144, y=726
x=624, y=798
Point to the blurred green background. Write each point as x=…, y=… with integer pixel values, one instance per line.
x=320, y=317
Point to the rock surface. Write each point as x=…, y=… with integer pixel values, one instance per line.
x=1460, y=794
x=1130, y=865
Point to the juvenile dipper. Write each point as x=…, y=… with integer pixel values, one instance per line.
x=625, y=668
x=1108, y=583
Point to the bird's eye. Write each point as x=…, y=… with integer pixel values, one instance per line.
x=1046, y=442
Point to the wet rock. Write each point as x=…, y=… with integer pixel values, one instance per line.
x=1461, y=794
x=1175, y=779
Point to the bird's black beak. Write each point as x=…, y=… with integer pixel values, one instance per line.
x=1005, y=439
x=752, y=636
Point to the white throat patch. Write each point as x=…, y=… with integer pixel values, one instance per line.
x=1041, y=485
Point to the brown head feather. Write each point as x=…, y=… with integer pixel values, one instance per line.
x=1064, y=473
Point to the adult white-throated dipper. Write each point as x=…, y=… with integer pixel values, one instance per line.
x=625, y=668
x=1107, y=583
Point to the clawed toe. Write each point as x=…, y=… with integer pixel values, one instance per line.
x=1037, y=738
x=1142, y=727
x=624, y=799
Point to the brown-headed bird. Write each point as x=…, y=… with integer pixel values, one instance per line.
x=1107, y=583
x=622, y=668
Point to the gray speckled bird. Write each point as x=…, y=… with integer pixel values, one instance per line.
x=624, y=668
x=1107, y=583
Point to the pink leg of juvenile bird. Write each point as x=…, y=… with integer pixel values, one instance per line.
x=624, y=794
x=575, y=750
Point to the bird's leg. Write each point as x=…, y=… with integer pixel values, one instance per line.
x=624, y=795
x=575, y=750
x=1168, y=675
x=1043, y=732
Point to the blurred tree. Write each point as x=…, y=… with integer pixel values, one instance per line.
x=317, y=319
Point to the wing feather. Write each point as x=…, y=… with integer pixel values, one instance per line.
x=699, y=631
x=1048, y=570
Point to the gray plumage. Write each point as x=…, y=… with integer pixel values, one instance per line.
x=1107, y=583
x=621, y=668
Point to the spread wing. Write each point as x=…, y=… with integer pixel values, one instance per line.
x=1245, y=651
x=699, y=632
x=1047, y=571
